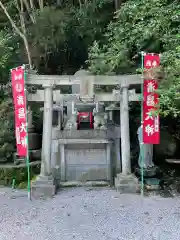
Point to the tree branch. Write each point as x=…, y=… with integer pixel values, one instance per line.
x=80, y=3
x=30, y=7
x=18, y=31
x=22, y=33
x=41, y=4
x=21, y=13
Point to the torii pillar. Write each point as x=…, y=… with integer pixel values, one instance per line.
x=44, y=185
x=124, y=123
x=125, y=182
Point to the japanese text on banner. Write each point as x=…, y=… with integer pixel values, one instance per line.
x=151, y=134
x=19, y=98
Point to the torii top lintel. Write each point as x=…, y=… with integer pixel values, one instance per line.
x=55, y=80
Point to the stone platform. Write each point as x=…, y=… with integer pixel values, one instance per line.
x=43, y=187
x=126, y=183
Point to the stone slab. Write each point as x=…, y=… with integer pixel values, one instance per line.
x=84, y=184
x=126, y=183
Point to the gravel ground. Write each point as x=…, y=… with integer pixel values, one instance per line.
x=88, y=214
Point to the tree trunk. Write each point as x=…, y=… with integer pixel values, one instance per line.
x=118, y=4
x=26, y=44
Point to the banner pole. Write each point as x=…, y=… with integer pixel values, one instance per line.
x=27, y=142
x=142, y=143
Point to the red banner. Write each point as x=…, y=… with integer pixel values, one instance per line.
x=151, y=130
x=19, y=97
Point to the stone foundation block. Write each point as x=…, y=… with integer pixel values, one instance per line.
x=126, y=183
x=43, y=187
x=148, y=172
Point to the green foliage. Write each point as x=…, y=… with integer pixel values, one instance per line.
x=7, y=138
x=58, y=42
x=7, y=56
x=170, y=87
x=7, y=173
x=49, y=30
x=6, y=51
x=61, y=36
x=149, y=26
x=89, y=21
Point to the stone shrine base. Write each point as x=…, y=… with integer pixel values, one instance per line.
x=126, y=183
x=147, y=172
x=43, y=187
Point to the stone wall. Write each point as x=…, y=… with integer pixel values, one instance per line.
x=82, y=162
x=86, y=162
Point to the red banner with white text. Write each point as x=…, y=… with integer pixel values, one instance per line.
x=19, y=97
x=151, y=129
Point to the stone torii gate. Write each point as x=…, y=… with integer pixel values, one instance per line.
x=45, y=182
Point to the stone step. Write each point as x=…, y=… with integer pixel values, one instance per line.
x=124, y=188
x=84, y=184
x=120, y=176
x=126, y=180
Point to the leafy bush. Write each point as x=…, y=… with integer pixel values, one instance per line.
x=149, y=26
x=7, y=173
x=7, y=138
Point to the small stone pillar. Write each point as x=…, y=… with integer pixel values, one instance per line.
x=125, y=182
x=118, y=157
x=44, y=185
x=30, y=120
x=111, y=115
